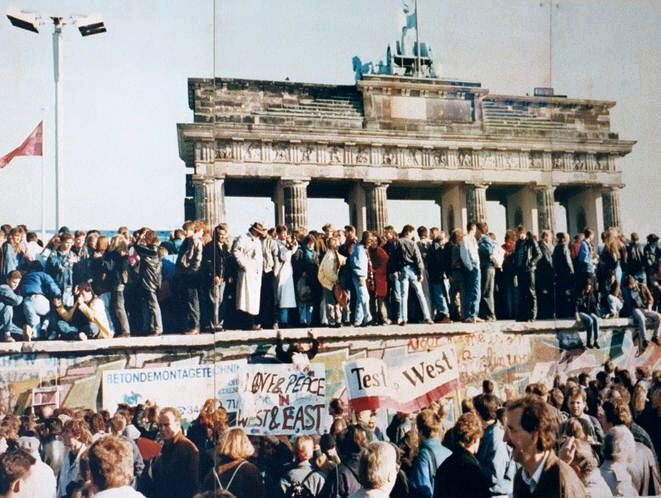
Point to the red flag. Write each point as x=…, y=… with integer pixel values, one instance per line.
x=31, y=146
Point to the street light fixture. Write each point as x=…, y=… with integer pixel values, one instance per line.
x=87, y=25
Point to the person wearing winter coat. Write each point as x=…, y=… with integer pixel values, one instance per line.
x=378, y=258
x=247, y=252
x=150, y=279
x=116, y=267
x=563, y=268
x=526, y=257
x=189, y=262
x=283, y=271
x=305, y=263
x=215, y=273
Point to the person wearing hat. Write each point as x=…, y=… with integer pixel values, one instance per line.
x=42, y=478
x=247, y=252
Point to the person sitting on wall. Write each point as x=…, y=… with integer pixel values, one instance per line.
x=297, y=353
x=8, y=300
x=86, y=319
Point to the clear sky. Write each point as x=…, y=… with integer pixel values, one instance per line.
x=125, y=90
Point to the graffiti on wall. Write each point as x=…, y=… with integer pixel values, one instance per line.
x=510, y=360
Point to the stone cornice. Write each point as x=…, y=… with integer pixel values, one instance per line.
x=196, y=131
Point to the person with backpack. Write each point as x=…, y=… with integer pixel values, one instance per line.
x=300, y=479
x=343, y=481
x=234, y=473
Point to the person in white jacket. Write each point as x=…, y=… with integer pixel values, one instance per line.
x=42, y=477
x=111, y=468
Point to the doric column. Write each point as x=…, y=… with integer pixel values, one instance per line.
x=610, y=199
x=210, y=200
x=376, y=199
x=295, y=197
x=545, y=208
x=476, y=203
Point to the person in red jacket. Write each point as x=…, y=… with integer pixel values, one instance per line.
x=377, y=284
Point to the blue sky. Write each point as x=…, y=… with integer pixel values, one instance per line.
x=124, y=91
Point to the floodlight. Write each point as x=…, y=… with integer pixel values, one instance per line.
x=89, y=25
x=24, y=19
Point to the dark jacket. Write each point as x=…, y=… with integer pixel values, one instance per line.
x=587, y=304
x=460, y=475
x=526, y=255
x=215, y=262
x=437, y=262
x=243, y=482
x=116, y=267
x=150, y=267
x=635, y=258
x=343, y=480
x=175, y=472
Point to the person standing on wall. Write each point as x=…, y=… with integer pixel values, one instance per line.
x=247, y=251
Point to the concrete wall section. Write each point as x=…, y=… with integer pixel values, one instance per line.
x=511, y=354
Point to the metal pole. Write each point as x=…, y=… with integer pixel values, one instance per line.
x=551, y=44
x=43, y=190
x=417, y=38
x=57, y=60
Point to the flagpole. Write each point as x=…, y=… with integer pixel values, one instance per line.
x=57, y=60
x=417, y=37
x=43, y=189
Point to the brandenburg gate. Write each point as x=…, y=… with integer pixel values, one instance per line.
x=401, y=136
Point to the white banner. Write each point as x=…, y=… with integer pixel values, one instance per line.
x=282, y=399
x=185, y=387
x=408, y=385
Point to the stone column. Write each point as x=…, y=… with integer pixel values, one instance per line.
x=357, y=208
x=209, y=197
x=545, y=208
x=610, y=199
x=295, y=199
x=584, y=209
x=376, y=199
x=476, y=203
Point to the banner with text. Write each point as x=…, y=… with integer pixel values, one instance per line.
x=281, y=399
x=408, y=385
x=184, y=387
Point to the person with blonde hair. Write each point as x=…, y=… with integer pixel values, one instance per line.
x=116, y=267
x=234, y=473
x=300, y=479
x=378, y=470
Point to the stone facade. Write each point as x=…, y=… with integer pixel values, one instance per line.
x=401, y=137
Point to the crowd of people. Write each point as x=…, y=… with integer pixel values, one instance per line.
x=581, y=437
x=82, y=285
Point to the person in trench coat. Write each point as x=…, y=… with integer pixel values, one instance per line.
x=247, y=252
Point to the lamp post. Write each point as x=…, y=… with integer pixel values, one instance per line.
x=87, y=25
